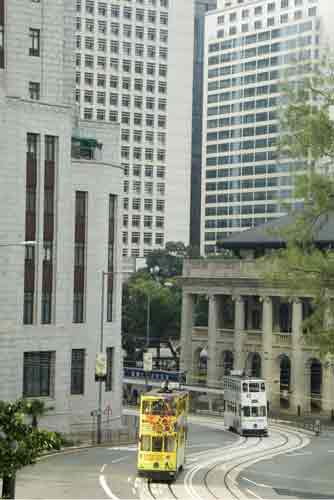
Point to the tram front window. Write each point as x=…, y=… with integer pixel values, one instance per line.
x=169, y=444
x=145, y=443
x=263, y=386
x=263, y=411
x=255, y=411
x=253, y=387
x=161, y=407
x=245, y=387
x=246, y=411
x=156, y=444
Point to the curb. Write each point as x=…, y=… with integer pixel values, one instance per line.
x=75, y=449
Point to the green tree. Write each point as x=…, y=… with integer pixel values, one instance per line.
x=165, y=310
x=308, y=134
x=36, y=408
x=20, y=443
x=170, y=259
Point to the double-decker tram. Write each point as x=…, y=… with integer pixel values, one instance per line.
x=245, y=405
x=162, y=433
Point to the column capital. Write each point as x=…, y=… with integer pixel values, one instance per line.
x=212, y=296
x=266, y=299
x=295, y=300
x=238, y=298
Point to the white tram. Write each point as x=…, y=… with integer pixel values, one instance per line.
x=245, y=405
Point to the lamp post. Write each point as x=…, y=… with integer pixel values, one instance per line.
x=19, y=244
x=154, y=272
x=101, y=377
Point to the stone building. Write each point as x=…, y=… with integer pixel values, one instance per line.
x=254, y=326
x=60, y=188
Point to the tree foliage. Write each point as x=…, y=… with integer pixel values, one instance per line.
x=165, y=310
x=170, y=259
x=304, y=266
x=20, y=443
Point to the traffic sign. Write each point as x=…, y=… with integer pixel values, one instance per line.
x=148, y=361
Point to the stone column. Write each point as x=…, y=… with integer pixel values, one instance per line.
x=298, y=401
x=267, y=343
x=239, y=333
x=212, y=340
x=186, y=333
x=328, y=385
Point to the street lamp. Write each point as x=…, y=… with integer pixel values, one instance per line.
x=19, y=244
x=101, y=377
x=154, y=273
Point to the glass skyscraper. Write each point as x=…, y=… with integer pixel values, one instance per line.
x=251, y=48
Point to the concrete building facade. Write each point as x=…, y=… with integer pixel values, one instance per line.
x=251, y=47
x=134, y=62
x=61, y=187
x=253, y=326
x=201, y=7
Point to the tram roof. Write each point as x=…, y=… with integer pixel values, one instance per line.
x=159, y=393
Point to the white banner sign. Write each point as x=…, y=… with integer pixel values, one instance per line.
x=148, y=361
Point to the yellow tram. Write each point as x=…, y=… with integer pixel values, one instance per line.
x=162, y=433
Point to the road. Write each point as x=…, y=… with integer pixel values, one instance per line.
x=219, y=465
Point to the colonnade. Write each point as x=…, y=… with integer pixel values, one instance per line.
x=296, y=351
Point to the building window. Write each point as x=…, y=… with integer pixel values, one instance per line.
x=109, y=380
x=34, y=91
x=34, y=35
x=46, y=308
x=79, y=256
x=38, y=373
x=28, y=308
x=2, y=43
x=111, y=252
x=78, y=371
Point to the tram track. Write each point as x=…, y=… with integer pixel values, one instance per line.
x=225, y=464
x=230, y=483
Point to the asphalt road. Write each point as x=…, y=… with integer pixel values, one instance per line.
x=81, y=475
x=304, y=474
x=111, y=472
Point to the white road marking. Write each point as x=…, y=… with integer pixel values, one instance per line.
x=117, y=460
x=252, y=493
x=123, y=448
x=212, y=445
x=255, y=484
x=330, y=451
x=102, y=468
x=106, y=488
x=302, y=454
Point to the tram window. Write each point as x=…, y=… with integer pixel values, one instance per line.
x=245, y=387
x=169, y=444
x=156, y=444
x=239, y=411
x=146, y=407
x=246, y=410
x=263, y=411
x=255, y=411
x=145, y=443
x=263, y=386
x=253, y=387
x=157, y=407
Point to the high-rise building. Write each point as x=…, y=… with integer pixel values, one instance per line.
x=201, y=7
x=252, y=46
x=134, y=65
x=60, y=200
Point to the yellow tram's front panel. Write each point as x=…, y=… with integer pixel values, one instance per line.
x=162, y=434
x=157, y=444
